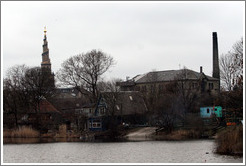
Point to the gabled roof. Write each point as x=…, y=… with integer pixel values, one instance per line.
x=89, y=105
x=169, y=75
x=47, y=107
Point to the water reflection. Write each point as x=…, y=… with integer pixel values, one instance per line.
x=37, y=140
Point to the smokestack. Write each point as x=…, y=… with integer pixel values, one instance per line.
x=200, y=69
x=216, y=70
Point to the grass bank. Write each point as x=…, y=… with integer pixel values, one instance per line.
x=230, y=141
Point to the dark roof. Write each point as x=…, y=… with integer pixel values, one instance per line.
x=89, y=105
x=47, y=107
x=129, y=102
x=169, y=75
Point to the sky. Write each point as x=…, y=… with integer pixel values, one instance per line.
x=140, y=36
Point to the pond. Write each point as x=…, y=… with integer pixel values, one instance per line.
x=198, y=151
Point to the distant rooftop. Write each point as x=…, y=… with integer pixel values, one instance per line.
x=169, y=75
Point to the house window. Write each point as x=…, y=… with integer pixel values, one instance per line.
x=208, y=110
x=144, y=88
x=96, y=124
x=160, y=88
x=102, y=111
x=137, y=88
x=211, y=86
x=152, y=88
x=194, y=85
x=90, y=110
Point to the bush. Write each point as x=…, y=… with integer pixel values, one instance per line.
x=230, y=141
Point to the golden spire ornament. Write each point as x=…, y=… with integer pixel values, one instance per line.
x=45, y=30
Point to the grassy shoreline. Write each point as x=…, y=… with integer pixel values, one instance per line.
x=228, y=142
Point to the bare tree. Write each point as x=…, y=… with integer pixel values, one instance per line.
x=39, y=86
x=179, y=97
x=85, y=70
x=226, y=72
x=186, y=91
x=14, y=92
x=111, y=96
x=231, y=67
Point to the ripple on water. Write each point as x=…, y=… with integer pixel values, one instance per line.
x=116, y=152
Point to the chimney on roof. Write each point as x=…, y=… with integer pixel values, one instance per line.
x=200, y=69
x=216, y=70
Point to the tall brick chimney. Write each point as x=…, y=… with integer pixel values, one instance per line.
x=216, y=70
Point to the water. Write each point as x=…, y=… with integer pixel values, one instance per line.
x=199, y=151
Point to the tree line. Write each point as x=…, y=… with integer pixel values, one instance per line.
x=24, y=87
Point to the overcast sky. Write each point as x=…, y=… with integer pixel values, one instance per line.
x=140, y=36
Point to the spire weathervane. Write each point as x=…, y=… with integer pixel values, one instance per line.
x=45, y=30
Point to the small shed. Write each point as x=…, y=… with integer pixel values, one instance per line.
x=207, y=112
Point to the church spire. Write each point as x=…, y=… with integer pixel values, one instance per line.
x=45, y=55
x=45, y=64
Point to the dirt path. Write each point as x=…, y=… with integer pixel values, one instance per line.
x=142, y=134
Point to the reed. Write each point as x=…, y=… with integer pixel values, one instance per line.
x=25, y=132
x=179, y=135
x=230, y=141
x=7, y=133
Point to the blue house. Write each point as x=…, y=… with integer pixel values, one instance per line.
x=96, y=114
x=207, y=112
x=126, y=107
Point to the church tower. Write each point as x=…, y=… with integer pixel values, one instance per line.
x=45, y=64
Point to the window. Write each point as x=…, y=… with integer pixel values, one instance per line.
x=143, y=88
x=102, y=111
x=211, y=86
x=160, y=88
x=90, y=110
x=152, y=88
x=194, y=85
x=96, y=124
x=208, y=110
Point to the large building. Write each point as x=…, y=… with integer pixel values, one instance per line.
x=157, y=81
